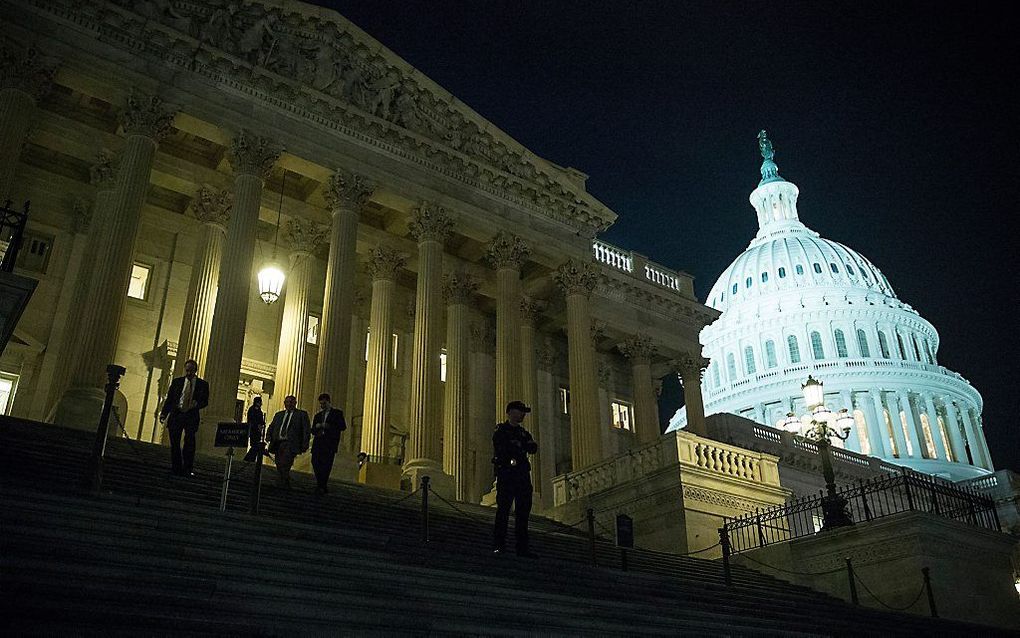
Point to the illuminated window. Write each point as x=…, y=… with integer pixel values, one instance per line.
x=623, y=415
x=817, y=267
x=782, y=272
x=883, y=344
x=770, y=354
x=889, y=432
x=862, y=343
x=841, y=350
x=794, y=347
x=906, y=433
x=8, y=384
x=312, y=333
x=816, y=346
x=799, y=269
x=862, y=432
x=442, y=366
x=749, y=360
x=393, y=346
x=945, y=439
x=929, y=440
x=139, y=286
x=564, y=400
x=731, y=367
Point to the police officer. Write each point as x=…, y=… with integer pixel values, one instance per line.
x=511, y=445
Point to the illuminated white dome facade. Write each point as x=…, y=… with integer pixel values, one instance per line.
x=795, y=304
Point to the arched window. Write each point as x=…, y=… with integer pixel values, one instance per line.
x=794, y=347
x=840, y=344
x=782, y=272
x=906, y=433
x=747, y=283
x=715, y=375
x=731, y=367
x=899, y=342
x=770, y=354
x=764, y=277
x=818, y=268
x=864, y=273
x=883, y=345
x=833, y=267
x=917, y=349
x=749, y=360
x=862, y=432
x=945, y=440
x=799, y=269
x=927, y=352
x=889, y=433
x=862, y=343
x=849, y=270
x=929, y=441
x=734, y=288
x=816, y=346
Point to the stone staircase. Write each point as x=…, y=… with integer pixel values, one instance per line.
x=154, y=556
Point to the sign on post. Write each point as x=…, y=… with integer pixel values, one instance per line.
x=230, y=434
x=624, y=531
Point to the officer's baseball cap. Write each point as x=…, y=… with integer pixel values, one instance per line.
x=517, y=405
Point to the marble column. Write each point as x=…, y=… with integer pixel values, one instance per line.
x=506, y=253
x=24, y=78
x=639, y=350
x=917, y=446
x=145, y=120
x=953, y=430
x=530, y=309
x=546, y=406
x=383, y=264
x=578, y=279
x=251, y=157
x=211, y=208
x=982, y=442
x=892, y=406
x=301, y=237
x=690, y=367
x=846, y=400
x=458, y=289
x=974, y=437
x=346, y=194
x=941, y=446
x=876, y=425
x=430, y=225
x=64, y=359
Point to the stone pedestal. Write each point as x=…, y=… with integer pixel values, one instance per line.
x=385, y=475
x=440, y=482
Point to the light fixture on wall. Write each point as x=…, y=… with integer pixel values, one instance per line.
x=271, y=274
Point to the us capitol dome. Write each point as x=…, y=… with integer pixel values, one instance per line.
x=796, y=304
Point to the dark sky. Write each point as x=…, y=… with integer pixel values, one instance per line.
x=894, y=119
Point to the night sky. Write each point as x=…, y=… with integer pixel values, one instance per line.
x=892, y=118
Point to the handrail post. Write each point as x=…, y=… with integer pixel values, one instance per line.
x=853, y=585
x=425, y=508
x=256, y=481
x=591, y=536
x=226, y=479
x=724, y=540
x=92, y=482
x=931, y=594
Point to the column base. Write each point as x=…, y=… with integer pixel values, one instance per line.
x=380, y=475
x=489, y=499
x=441, y=483
x=80, y=409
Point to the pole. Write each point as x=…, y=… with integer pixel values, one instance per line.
x=256, y=481
x=92, y=482
x=425, y=508
x=226, y=479
x=853, y=584
x=724, y=540
x=591, y=536
x=931, y=595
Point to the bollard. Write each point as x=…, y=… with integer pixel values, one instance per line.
x=931, y=595
x=92, y=482
x=591, y=536
x=853, y=585
x=226, y=479
x=425, y=509
x=256, y=481
x=724, y=540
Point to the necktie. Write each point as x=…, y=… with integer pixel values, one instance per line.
x=285, y=428
x=186, y=394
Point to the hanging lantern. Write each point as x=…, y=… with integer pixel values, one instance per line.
x=270, y=282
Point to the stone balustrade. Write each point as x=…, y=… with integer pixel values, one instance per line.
x=638, y=266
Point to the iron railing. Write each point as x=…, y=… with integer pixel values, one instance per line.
x=866, y=500
x=12, y=230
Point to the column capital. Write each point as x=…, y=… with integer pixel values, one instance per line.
x=597, y=332
x=604, y=372
x=303, y=236
x=252, y=154
x=545, y=356
x=26, y=70
x=690, y=364
x=459, y=287
x=639, y=348
x=483, y=336
x=577, y=277
x=346, y=190
x=507, y=250
x=383, y=262
x=148, y=116
x=430, y=222
x=103, y=173
x=212, y=206
x=82, y=216
x=530, y=309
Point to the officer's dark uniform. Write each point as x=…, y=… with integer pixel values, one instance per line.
x=511, y=445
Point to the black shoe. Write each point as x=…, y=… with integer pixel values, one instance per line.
x=498, y=551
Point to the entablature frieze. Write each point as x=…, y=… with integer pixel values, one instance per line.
x=319, y=68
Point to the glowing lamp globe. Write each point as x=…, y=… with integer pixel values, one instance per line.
x=270, y=282
x=814, y=396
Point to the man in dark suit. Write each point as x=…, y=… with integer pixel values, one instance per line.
x=288, y=436
x=186, y=396
x=326, y=428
